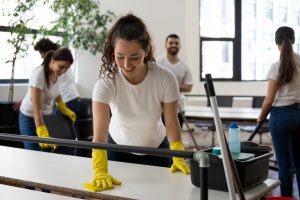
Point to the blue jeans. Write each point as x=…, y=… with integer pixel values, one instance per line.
x=285, y=130
x=140, y=159
x=27, y=127
x=74, y=105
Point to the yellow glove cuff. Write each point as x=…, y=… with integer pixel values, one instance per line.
x=66, y=111
x=99, y=161
x=62, y=106
x=42, y=131
x=179, y=163
x=178, y=145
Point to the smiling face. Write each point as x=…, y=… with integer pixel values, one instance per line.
x=58, y=67
x=129, y=57
x=173, y=46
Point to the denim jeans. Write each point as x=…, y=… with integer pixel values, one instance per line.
x=140, y=159
x=285, y=130
x=27, y=127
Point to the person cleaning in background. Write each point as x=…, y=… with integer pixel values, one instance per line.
x=283, y=100
x=136, y=91
x=43, y=89
x=67, y=86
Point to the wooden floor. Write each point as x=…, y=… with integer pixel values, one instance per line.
x=204, y=140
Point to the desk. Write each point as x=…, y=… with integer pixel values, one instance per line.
x=10, y=192
x=138, y=181
x=226, y=113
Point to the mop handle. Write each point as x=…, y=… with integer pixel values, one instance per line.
x=209, y=88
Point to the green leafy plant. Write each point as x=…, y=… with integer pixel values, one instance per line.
x=80, y=23
x=18, y=29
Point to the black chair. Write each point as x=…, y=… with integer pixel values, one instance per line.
x=9, y=123
x=257, y=102
x=85, y=121
x=223, y=101
x=60, y=126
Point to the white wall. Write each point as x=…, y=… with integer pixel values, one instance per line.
x=162, y=18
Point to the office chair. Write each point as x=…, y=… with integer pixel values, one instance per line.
x=85, y=120
x=60, y=126
x=223, y=101
x=9, y=123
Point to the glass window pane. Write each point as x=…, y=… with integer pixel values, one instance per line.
x=217, y=18
x=217, y=59
x=24, y=65
x=259, y=50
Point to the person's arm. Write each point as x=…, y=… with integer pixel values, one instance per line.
x=102, y=180
x=17, y=105
x=174, y=136
x=171, y=121
x=64, y=109
x=41, y=129
x=185, y=88
x=268, y=101
x=58, y=99
x=36, y=95
x=187, y=83
x=101, y=118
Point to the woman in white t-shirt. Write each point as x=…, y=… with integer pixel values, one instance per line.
x=67, y=87
x=136, y=91
x=283, y=99
x=43, y=89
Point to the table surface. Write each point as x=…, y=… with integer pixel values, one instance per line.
x=226, y=113
x=10, y=192
x=138, y=181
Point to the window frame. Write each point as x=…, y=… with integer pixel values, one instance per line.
x=237, y=45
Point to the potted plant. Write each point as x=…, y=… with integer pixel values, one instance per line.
x=80, y=23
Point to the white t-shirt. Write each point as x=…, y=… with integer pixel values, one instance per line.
x=181, y=71
x=38, y=80
x=289, y=93
x=67, y=86
x=136, y=109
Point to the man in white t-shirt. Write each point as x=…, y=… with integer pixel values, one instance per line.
x=182, y=72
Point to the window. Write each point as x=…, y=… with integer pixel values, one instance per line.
x=32, y=59
x=24, y=65
x=217, y=39
x=237, y=37
x=222, y=58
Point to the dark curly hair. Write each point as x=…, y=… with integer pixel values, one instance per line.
x=128, y=27
x=44, y=45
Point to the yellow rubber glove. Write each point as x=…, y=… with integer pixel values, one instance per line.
x=179, y=163
x=66, y=111
x=102, y=180
x=42, y=132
